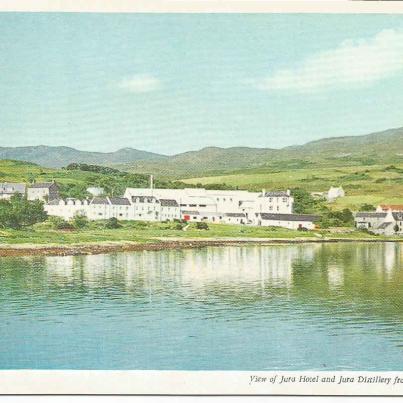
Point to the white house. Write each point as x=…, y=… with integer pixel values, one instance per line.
x=291, y=221
x=169, y=210
x=334, y=193
x=381, y=223
x=9, y=189
x=43, y=191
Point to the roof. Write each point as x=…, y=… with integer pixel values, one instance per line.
x=384, y=225
x=12, y=187
x=398, y=207
x=44, y=185
x=398, y=215
x=99, y=200
x=53, y=202
x=370, y=214
x=234, y=215
x=120, y=201
x=289, y=217
x=169, y=202
x=276, y=194
x=144, y=199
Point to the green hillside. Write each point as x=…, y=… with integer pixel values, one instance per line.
x=73, y=182
x=378, y=148
x=372, y=184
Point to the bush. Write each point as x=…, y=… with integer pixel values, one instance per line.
x=80, y=221
x=112, y=223
x=19, y=212
x=202, y=225
x=367, y=207
x=59, y=223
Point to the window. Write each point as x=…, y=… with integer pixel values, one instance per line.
x=284, y=199
x=192, y=205
x=202, y=205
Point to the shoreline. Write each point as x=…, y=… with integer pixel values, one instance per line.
x=127, y=246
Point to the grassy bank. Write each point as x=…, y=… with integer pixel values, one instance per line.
x=43, y=234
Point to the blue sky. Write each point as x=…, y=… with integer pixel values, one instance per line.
x=179, y=82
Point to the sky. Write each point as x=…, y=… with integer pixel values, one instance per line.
x=178, y=82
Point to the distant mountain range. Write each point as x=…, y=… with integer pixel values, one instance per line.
x=380, y=147
x=56, y=157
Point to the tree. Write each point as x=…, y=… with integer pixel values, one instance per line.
x=19, y=212
x=367, y=207
x=303, y=201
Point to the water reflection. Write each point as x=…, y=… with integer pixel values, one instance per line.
x=336, y=291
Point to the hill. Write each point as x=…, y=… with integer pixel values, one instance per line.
x=382, y=147
x=56, y=157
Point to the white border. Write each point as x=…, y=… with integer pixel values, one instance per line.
x=191, y=382
x=203, y=6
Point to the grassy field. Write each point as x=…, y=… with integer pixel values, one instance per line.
x=372, y=184
x=42, y=234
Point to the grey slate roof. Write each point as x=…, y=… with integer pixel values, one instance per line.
x=53, y=202
x=384, y=225
x=234, y=215
x=99, y=200
x=398, y=215
x=144, y=199
x=120, y=201
x=370, y=214
x=289, y=217
x=43, y=185
x=169, y=203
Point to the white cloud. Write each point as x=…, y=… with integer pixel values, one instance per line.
x=140, y=83
x=353, y=63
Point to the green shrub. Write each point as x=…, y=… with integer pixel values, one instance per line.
x=80, y=221
x=112, y=223
x=202, y=225
x=59, y=223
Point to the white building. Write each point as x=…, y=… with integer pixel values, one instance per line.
x=334, y=193
x=291, y=221
x=381, y=223
x=192, y=205
x=9, y=189
x=43, y=191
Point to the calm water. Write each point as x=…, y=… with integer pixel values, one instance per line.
x=289, y=307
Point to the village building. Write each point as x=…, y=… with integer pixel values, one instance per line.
x=273, y=208
x=334, y=193
x=290, y=221
x=9, y=189
x=381, y=223
x=43, y=191
x=331, y=195
x=391, y=207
